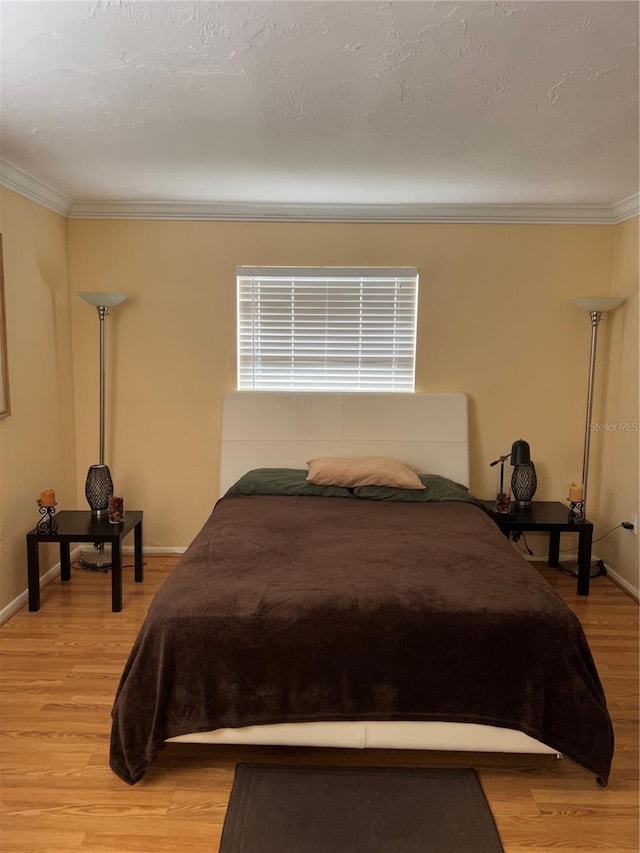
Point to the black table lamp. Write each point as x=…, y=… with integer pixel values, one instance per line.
x=523, y=479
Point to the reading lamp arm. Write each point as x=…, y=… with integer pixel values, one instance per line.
x=501, y=459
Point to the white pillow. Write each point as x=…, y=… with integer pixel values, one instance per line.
x=364, y=471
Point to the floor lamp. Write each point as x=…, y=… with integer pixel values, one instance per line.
x=596, y=306
x=99, y=486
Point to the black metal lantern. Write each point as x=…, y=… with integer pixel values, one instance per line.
x=524, y=483
x=523, y=480
x=98, y=488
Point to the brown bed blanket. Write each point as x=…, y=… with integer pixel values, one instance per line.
x=298, y=609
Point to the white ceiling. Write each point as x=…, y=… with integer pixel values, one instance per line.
x=343, y=103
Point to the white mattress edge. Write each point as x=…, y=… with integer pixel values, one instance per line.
x=463, y=737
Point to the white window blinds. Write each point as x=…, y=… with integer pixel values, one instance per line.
x=326, y=329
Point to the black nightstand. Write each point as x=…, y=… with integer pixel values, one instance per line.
x=82, y=526
x=553, y=518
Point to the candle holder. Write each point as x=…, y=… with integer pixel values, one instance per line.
x=47, y=523
x=576, y=511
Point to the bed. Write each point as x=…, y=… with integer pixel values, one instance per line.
x=355, y=618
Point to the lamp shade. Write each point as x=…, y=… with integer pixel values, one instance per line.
x=520, y=452
x=598, y=303
x=101, y=299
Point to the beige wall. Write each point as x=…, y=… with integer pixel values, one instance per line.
x=618, y=458
x=496, y=321
x=37, y=441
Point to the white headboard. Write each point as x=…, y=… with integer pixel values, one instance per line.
x=273, y=429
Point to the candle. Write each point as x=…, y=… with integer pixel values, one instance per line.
x=48, y=498
x=116, y=509
x=576, y=492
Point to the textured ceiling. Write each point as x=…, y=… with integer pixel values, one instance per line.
x=324, y=102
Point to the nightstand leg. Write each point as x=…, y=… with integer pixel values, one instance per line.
x=584, y=560
x=33, y=575
x=137, y=547
x=554, y=548
x=65, y=561
x=116, y=576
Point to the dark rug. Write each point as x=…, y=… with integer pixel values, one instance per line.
x=289, y=809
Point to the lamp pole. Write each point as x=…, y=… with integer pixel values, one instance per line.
x=595, y=322
x=103, y=313
x=596, y=306
x=99, y=486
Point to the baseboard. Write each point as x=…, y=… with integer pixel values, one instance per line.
x=622, y=583
x=544, y=558
x=45, y=579
x=155, y=550
x=611, y=573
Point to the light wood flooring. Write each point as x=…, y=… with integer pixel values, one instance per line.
x=59, y=672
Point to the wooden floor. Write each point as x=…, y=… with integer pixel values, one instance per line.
x=60, y=668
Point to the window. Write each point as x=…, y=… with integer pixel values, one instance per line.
x=326, y=329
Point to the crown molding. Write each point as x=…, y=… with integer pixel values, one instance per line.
x=22, y=182
x=627, y=208
x=265, y=212
x=26, y=185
